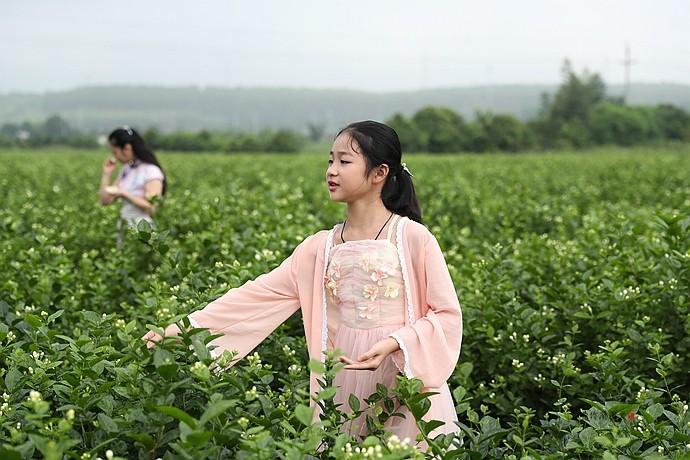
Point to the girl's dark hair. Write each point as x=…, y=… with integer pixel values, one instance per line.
x=126, y=135
x=380, y=144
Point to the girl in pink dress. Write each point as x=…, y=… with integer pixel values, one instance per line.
x=365, y=290
x=375, y=287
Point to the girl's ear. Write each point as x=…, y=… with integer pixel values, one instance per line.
x=380, y=173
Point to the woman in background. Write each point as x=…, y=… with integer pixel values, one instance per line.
x=139, y=181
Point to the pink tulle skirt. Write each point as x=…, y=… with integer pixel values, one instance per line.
x=362, y=383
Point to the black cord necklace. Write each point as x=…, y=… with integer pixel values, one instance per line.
x=342, y=229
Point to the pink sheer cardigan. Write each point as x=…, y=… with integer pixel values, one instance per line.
x=429, y=342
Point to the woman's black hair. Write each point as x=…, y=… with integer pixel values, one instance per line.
x=379, y=143
x=126, y=135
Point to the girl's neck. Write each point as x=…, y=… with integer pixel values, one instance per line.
x=363, y=218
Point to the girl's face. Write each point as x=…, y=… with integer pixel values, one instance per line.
x=346, y=176
x=123, y=154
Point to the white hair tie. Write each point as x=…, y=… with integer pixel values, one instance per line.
x=405, y=168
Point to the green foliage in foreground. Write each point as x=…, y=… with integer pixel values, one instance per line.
x=572, y=269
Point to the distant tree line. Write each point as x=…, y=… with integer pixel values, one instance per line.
x=53, y=131
x=579, y=115
x=57, y=131
x=279, y=141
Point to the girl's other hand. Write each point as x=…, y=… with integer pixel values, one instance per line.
x=373, y=358
x=109, y=165
x=151, y=338
x=113, y=190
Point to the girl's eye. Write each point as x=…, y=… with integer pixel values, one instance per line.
x=330, y=162
x=345, y=162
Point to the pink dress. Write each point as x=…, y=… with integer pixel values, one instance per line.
x=365, y=291
x=429, y=342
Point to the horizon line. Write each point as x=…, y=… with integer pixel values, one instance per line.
x=203, y=87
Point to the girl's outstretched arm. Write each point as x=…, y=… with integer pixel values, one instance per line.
x=248, y=314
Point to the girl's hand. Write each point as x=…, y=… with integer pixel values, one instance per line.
x=151, y=338
x=117, y=192
x=373, y=358
x=109, y=166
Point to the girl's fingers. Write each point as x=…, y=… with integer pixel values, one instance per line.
x=150, y=335
x=366, y=356
x=369, y=364
x=361, y=367
x=346, y=360
x=151, y=338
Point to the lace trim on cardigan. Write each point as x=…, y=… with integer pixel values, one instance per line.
x=406, y=369
x=324, y=307
x=395, y=362
x=408, y=296
x=403, y=269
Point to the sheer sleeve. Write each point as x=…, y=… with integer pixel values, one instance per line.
x=248, y=314
x=430, y=348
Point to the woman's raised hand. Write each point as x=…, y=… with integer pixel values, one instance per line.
x=109, y=166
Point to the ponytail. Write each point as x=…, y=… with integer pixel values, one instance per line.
x=398, y=195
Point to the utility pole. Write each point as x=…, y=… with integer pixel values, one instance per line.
x=627, y=64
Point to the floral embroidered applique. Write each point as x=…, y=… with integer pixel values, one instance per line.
x=391, y=292
x=377, y=276
x=332, y=277
x=366, y=311
x=368, y=282
x=332, y=285
x=365, y=262
x=370, y=291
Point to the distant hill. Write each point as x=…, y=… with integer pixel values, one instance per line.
x=192, y=108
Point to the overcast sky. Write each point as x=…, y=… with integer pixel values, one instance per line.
x=359, y=44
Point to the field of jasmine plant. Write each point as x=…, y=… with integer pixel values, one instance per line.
x=573, y=271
